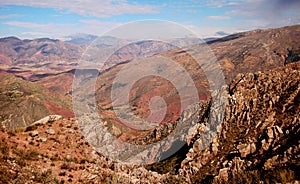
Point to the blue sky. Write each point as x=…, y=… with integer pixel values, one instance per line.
x=58, y=19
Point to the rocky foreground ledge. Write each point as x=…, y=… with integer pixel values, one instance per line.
x=259, y=141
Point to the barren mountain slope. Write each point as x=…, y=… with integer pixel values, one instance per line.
x=259, y=142
x=257, y=50
x=252, y=51
x=23, y=102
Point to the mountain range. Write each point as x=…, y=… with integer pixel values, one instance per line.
x=257, y=140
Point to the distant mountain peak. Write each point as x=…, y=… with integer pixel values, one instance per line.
x=46, y=40
x=81, y=38
x=221, y=33
x=9, y=39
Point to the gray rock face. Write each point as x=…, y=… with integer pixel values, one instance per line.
x=50, y=131
x=42, y=139
x=34, y=133
x=105, y=143
x=256, y=132
x=47, y=119
x=259, y=132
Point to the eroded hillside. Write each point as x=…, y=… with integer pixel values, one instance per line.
x=24, y=102
x=258, y=141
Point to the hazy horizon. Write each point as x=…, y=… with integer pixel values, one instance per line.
x=209, y=18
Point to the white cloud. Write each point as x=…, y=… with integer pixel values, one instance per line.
x=222, y=3
x=218, y=17
x=28, y=25
x=96, y=8
x=253, y=14
x=265, y=13
x=9, y=16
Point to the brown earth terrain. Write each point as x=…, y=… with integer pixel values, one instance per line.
x=258, y=140
x=46, y=60
x=24, y=102
x=252, y=51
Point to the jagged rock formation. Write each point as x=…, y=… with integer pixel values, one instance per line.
x=252, y=51
x=257, y=142
x=46, y=119
x=259, y=139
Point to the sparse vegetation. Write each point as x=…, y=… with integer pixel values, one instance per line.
x=257, y=143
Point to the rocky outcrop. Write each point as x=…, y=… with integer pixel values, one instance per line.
x=260, y=133
x=47, y=119
x=258, y=141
